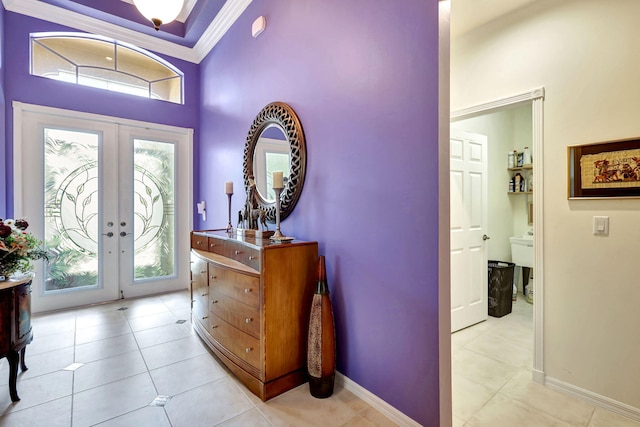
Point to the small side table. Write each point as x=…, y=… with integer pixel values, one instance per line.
x=15, y=326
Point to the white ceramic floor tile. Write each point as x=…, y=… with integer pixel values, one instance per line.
x=38, y=390
x=482, y=369
x=502, y=349
x=603, y=418
x=108, y=370
x=207, y=405
x=468, y=396
x=543, y=399
x=298, y=407
x=252, y=418
x=53, y=324
x=95, y=317
x=161, y=334
x=56, y=413
x=151, y=321
x=144, y=307
x=103, y=349
x=40, y=364
x=101, y=332
x=106, y=402
x=45, y=343
x=172, y=352
x=504, y=412
x=187, y=374
x=150, y=416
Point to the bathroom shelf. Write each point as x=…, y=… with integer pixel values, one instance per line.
x=523, y=167
x=519, y=192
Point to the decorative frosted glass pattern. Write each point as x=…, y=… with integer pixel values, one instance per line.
x=153, y=200
x=71, y=200
x=99, y=62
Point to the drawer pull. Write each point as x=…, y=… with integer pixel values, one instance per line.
x=214, y=301
x=248, y=320
x=213, y=277
x=214, y=326
x=248, y=350
x=205, y=317
x=203, y=271
x=204, y=295
x=246, y=291
x=238, y=252
x=212, y=245
x=251, y=257
x=198, y=242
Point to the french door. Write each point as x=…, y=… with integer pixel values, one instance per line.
x=109, y=198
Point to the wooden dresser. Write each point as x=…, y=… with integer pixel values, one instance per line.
x=250, y=303
x=15, y=326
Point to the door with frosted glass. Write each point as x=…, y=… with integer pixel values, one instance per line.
x=104, y=203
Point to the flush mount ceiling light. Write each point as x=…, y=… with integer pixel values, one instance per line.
x=159, y=11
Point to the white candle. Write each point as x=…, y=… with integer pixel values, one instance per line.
x=228, y=187
x=277, y=180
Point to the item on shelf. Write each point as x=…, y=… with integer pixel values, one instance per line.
x=512, y=187
x=511, y=159
x=517, y=183
x=526, y=156
x=519, y=160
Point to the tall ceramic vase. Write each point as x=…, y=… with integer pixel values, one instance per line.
x=321, y=350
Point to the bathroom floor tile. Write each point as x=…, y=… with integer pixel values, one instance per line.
x=187, y=374
x=56, y=413
x=108, y=370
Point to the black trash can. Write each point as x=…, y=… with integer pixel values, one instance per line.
x=500, y=287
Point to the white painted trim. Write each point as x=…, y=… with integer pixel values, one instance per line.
x=18, y=203
x=594, y=398
x=536, y=98
x=33, y=108
x=229, y=13
x=378, y=404
x=467, y=113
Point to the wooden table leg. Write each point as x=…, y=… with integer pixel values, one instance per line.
x=12, y=357
x=23, y=366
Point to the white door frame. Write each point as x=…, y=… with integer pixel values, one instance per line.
x=536, y=98
x=185, y=199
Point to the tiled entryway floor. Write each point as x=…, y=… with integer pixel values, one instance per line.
x=492, y=387
x=130, y=357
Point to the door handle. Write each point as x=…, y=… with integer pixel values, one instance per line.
x=485, y=237
x=109, y=234
x=122, y=234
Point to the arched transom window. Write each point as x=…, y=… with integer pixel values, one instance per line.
x=91, y=60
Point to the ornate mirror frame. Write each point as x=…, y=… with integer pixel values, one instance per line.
x=281, y=115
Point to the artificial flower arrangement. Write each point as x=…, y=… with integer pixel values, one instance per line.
x=17, y=247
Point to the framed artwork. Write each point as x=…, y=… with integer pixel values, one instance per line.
x=606, y=169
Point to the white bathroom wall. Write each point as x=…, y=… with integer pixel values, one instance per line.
x=584, y=53
x=506, y=130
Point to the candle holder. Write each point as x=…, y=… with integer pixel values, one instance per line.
x=229, y=225
x=278, y=236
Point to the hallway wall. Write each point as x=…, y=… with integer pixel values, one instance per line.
x=583, y=52
x=363, y=78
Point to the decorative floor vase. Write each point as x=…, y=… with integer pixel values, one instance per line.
x=321, y=350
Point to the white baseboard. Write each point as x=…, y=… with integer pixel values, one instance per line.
x=594, y=398
x=378, y=404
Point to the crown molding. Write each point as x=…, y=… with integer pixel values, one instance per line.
x=229, y=13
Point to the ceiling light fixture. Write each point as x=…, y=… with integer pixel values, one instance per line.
x=159, y=11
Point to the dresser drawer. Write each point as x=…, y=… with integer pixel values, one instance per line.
x=218, y=246
x=199, y=242
x=239, y=286
x=242, y=316
x=244, y=254
x=237, y=342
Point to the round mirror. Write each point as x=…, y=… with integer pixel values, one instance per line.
x=275, y=143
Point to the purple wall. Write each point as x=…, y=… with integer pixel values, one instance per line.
x=362, y=76
x=21, y=86
x=3, y=152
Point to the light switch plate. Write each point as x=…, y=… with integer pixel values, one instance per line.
x=601, y=225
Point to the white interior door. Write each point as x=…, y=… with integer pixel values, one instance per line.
x=468, y=164
x=110, y=202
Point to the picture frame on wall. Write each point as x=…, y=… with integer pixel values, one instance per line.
x=605, y=169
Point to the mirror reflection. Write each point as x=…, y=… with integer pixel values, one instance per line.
x=271, y=154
